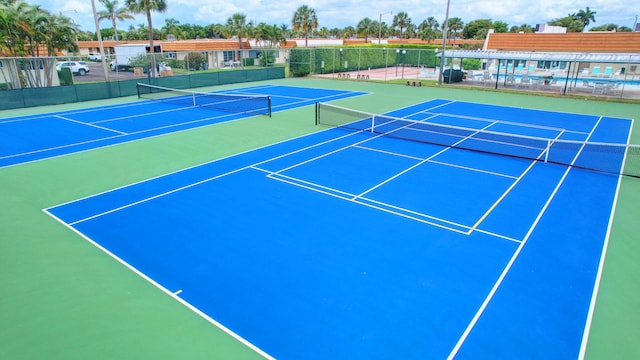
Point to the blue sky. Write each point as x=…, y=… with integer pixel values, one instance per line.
x=341, y=13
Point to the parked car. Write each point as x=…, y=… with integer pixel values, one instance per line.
x=94, y=57
x=77, y=67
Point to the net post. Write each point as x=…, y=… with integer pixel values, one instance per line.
x=373, y=122
x=317, y=112
x=193, y=96
x=269, y=105
x=138, y=90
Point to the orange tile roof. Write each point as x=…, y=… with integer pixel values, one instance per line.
x=182, y=45
x=571, y=42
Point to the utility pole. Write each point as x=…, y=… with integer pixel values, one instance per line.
x=380, y=26
x=445, y=29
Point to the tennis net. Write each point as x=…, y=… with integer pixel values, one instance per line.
x=603, y=157
x=234, y=103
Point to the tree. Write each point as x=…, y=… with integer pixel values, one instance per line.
x=365, y=28
x=25, y=31
x=401, y=20
x=500, y=26
x=171, y=26
x=146, y=7
x=521, y=28
x=269, y=37
x=570, y=22
x=305, y=21
x=237, y=25
x=113, y=13
x=585, y=16
x=454, y=25
x=473, y=28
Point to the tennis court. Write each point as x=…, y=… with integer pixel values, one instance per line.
x=448, y=229
x=31, y=138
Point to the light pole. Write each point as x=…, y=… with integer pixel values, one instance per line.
x=380, y=25
x=75, y=33
x=386, y=62
x=397, y=57
x=445, y=29
x=404, y=52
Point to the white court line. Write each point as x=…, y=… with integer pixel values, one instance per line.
x=181, y=108
x=55, y=148
x=515, y=255
x=132, y=133
x=165, y=290
x=388, y=152
x=157, y=196
x=420, y=163
x=216, y=160
x=436, y=162
x=473, y=169
x=482, y=119
x=78, y=111
x=603, y=254
x=90, y=124
x=405, y=213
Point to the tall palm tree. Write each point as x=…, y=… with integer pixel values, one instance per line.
x=269, y=37
x=586, y=16
x=305, y=21
x=113, y=13
x=285, y=30
x=401, y=20
x=432, y=23
x=454, y=24
x=364, y=28
x=146, y=7
x=237, y=25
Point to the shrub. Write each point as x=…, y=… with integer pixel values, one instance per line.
x=194, y=60
x=266, y=58
x=471, y=64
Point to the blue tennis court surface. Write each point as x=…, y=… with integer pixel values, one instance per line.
x=351, y=245
x=37, y=137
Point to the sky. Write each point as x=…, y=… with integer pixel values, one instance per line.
x=342, y=13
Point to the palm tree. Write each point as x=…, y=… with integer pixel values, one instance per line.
x=237, y=25
x=285, y=30
x=305, y=21
x=113, y=12
x=269, y=37
x=364, y=28
x=28, y=30
x=455, y=24
x=401, y=20
x=146, y=7
x=586, y=16
x=432, y=23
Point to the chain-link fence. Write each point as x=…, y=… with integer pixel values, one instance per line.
x=364, y=63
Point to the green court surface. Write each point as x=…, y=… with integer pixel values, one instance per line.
x=62, y=298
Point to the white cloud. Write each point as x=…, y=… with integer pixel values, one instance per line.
x=341, y=13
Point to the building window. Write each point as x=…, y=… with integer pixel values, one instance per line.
x=228, y=55
x=552, y=65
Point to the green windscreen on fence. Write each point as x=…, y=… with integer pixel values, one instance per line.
x=20, y=98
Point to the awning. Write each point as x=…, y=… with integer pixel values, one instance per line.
x=620, y=58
